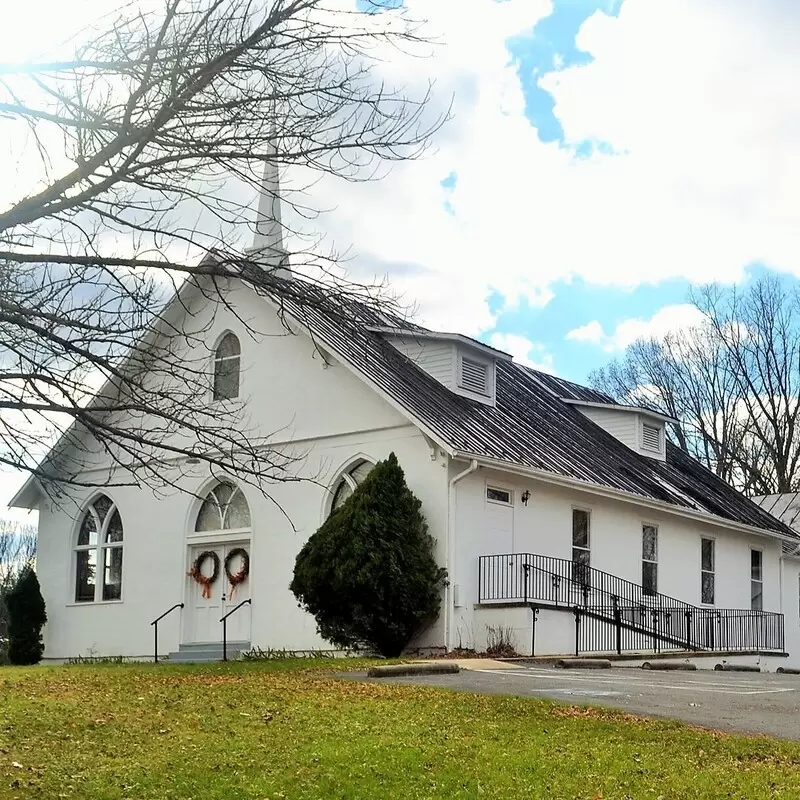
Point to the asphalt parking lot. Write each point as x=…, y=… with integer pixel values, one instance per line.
x=755, y=703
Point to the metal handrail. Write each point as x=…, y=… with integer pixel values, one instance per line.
x=155, y=630
x=533, y=579
x=224, y=621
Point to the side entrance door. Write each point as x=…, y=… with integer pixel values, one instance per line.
x=207, y=605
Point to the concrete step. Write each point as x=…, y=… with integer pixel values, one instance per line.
x=206, y=652
x=189, y=648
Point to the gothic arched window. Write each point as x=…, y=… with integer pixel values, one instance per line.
x=226, y=368
x=224, y=509
x=348, y=481
x=98, y=553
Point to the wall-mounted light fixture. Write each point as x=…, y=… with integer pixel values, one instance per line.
x=526, y=495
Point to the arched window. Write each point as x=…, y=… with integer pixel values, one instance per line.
x=226, y=368
x=347, y=483
x=224, y=509
x=98, y=553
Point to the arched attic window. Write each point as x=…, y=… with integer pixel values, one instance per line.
x=224, y=509
x=98, y=553
x=348, y=481
x=227, y=359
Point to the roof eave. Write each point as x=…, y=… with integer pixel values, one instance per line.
x=459, y=338
x=616, y=407
x=628, y=497
x=28, y=496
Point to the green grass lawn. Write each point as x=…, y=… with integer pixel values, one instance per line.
x=286, y=730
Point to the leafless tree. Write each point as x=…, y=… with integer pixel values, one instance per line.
x=141, y=149
x=732, y=381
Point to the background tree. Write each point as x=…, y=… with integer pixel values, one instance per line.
x=27, y=617
x=368, y=575
x=17, y=551
x=140, y=150
x=732, y=381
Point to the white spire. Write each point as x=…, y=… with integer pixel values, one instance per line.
x=268, y=246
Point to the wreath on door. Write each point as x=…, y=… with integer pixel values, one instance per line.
x=235, y=578
x=196, y=572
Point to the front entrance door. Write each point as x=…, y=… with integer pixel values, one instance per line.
x=203, y=620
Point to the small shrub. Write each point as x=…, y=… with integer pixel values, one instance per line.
x=92, y=659
x=26, y=618
x=270, y=654
x=501, y=641
x=368, y=575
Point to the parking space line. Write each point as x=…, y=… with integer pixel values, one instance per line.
x=648, y=677
x=703, y=688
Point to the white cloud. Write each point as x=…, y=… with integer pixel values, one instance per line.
x=665, y=320
x=700, y=113
x=523, y=350
x=696, y=97
x=590, y=332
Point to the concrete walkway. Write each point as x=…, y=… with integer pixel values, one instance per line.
x=475, y=664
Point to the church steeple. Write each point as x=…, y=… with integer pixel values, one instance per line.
x=267, y=248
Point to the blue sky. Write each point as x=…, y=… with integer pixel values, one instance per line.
x=604, y=156
x=549, y=46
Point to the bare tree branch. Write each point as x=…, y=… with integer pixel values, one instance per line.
x=144, y=149
x=733, y=382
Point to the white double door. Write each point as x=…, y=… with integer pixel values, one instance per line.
x=204, y=613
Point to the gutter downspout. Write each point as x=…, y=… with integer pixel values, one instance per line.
x=449, y=556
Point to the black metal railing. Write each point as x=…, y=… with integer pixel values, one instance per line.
x=613, y=614
x=224, y=621
x=154, y=623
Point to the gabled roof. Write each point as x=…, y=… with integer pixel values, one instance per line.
x=530, y=426
x=647, y=412
x=456, y=338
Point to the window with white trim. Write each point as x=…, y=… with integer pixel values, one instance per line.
x=651, y=437
x=707, y=571
x=473, y=376
x=227, y=360
x=497, y=495
x=224, y=509
x=649, y=560
x=98, y=553
x=756, y=580
x=348, y=482
x=580, y=546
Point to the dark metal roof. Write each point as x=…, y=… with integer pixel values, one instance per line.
x=572, y=391
x=530, y=426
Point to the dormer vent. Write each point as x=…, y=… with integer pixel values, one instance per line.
x=641, y=429
x=651, y=437
x=465, y=366
x=473, y=376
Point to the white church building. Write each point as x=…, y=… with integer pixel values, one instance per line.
x=566, y=518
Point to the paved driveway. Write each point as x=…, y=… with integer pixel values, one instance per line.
x=742, y=702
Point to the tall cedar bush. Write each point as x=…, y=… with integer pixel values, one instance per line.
x=368, y=575
x=27, y=616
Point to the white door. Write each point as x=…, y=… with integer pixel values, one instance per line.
x=499, y=528
x=207, y=605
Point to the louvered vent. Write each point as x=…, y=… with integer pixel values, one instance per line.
x=473, y=376
x=651, y=438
